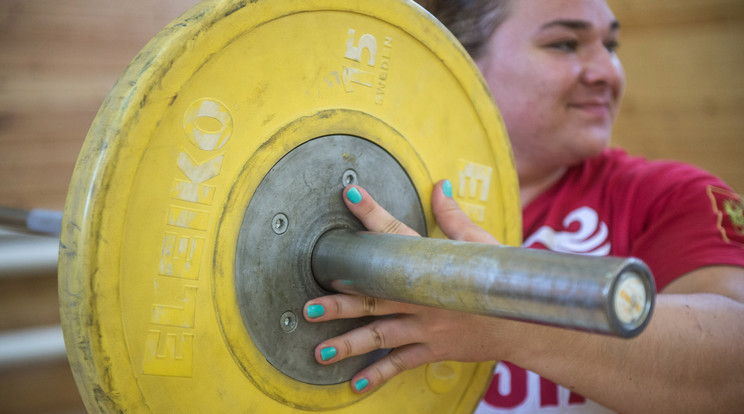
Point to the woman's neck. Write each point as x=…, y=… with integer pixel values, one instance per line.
x=532, y=185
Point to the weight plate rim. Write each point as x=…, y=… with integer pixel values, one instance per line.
x=82, y=215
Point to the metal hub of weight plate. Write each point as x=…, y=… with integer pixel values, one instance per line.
x=297, y=202
x=151, y=287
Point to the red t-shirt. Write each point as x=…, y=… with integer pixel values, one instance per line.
x=675, y=217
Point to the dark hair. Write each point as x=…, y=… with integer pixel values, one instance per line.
x=471, y=21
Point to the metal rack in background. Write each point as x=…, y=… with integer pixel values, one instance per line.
x=29, y=244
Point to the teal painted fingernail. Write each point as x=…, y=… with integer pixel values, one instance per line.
x=315, y=311
x=447, y=188
x=354, y=195
x=327, y=353
x=361, y=384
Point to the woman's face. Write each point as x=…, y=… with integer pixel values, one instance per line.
x=554, y=74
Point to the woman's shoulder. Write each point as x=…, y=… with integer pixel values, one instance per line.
x=616, y=167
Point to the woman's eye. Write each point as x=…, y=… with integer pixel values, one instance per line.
x=565, y=45
x=612, y=45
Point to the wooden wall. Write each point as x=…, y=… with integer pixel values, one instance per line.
x=58, y=58
x=684, y=61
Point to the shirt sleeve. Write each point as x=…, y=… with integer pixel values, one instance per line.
x=694, y=220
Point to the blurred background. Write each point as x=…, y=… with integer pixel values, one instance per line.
x=684, y=61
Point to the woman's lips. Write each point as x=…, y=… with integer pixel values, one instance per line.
x=593, y=109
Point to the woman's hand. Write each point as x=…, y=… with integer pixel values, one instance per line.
x=417, y=334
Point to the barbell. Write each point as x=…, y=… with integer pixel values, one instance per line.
x=205, y=209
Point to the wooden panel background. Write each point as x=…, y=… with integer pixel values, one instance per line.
x=58, y=60
x=684, y=61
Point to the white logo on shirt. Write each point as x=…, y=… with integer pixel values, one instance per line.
x=590, y=238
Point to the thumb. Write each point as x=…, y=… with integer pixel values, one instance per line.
x=452, y=220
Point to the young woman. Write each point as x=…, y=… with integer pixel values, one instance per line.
x=553, y=71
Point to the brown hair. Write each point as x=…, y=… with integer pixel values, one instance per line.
x=471, y=21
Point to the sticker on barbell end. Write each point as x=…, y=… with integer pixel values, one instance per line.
x=630, y=299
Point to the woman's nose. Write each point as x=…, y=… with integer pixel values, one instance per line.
x=602, y=66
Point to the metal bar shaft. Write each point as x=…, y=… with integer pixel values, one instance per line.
x=23, y=255
x=36, y=220
x=29, y=346
x=599, y=294
x=13, y=218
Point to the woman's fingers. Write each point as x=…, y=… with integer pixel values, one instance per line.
x=399, y=360
x=450, y=217
x=372, y=215
x=381, y=334
x=452, y=220
x=399, y=333
x=344, y=306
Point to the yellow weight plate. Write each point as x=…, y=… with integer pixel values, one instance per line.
x=147, y=259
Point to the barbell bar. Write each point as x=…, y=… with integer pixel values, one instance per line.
x=604, y=295
x=36, y=221
x=608, y=295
